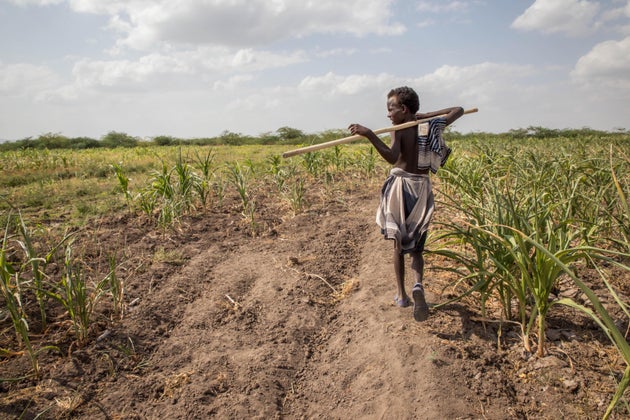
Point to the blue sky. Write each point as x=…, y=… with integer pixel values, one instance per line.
x=195, y=68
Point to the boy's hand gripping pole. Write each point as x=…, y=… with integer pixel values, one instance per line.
x=357, y=137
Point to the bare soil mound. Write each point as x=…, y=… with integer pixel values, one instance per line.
x=297, y=322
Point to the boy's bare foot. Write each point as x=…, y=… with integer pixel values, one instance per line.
x=402, y=302
x=420, y=308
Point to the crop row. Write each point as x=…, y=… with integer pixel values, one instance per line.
x=524, y=218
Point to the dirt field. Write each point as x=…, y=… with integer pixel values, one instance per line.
x=297, y=322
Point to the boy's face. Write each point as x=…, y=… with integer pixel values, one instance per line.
x=395, y=111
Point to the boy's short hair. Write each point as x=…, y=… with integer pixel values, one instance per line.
x=406, y=96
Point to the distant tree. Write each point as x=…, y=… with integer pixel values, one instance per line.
x=329, y=135
x=116, y=139
x=268, y=138
x=232, y=139
x=84, y=143
x=288, y=133
x=517, y=133
x=164, y=140
x=52, y=141
x=542, y=132
x=205, y=141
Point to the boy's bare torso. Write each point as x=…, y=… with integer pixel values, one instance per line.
x=408, y=158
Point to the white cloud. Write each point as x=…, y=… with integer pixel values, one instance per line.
x=481, y=83
x=107, y=7
x=331, y=84
x=622, y=13
x=257, y=103
x=198, y=68
x=35, y=2
x=233, y=82
x=507, y=95
x=606, y=65
x=227, y=60
x=511, y=96
x=144, y=24
x=571, y=17
x=125, y=73
x=493, y=87
x=23, y=79
x=256, y=60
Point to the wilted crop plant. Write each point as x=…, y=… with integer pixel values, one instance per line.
x=123, y=180
x=11, y=290
x=76, y=297
x=37, y=264
x=313, y=162
x=278, y=174
x=296, y=194
x=238, y=177
x=204, y=183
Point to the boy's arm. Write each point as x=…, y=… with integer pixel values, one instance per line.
x=389, y=154
x=452, y=114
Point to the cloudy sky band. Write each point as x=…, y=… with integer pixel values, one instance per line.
x=198, y=67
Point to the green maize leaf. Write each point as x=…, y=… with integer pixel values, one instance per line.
x=621, y=387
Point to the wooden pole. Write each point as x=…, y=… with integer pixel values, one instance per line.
x=357, y=137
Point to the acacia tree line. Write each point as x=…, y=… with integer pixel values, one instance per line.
x=283, y=135
x=113, y=139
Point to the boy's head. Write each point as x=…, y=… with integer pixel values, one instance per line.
x=406, y=96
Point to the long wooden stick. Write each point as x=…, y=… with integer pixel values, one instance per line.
x=358, y=137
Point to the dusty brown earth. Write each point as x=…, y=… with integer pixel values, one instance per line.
x=297, y=321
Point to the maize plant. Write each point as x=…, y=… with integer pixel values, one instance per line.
x=506, y=208
x=238, y=177
x=79, y=300
x=11, y=292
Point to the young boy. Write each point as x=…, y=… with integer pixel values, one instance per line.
x=406, y=197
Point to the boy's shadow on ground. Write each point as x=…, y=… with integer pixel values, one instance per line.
x=560, y=327
x=469, y=323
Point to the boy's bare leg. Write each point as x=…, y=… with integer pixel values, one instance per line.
x=420, y=307
x=417, y=265
x=399, y=268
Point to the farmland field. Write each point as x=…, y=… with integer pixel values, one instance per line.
x=227, y=282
